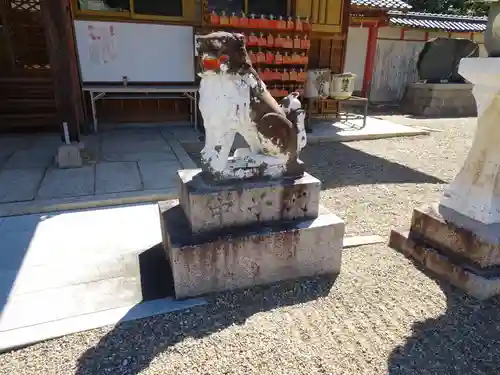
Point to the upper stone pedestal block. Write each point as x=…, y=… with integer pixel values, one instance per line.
x=475, y=192
x=216, y=206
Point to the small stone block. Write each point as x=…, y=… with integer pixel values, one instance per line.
x=211, y=206
x=69, y=156
x=454, y=241
x=481, y=286
x=248, y=256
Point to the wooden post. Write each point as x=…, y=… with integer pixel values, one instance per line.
x=58, y=27
x=371, y=52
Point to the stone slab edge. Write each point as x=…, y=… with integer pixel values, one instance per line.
x=452, y=240
x=88, y=201
x=20, y=337
x=474, y=285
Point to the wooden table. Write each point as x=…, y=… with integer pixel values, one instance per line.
x=97, y=92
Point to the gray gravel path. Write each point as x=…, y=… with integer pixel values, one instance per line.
x=380, y=316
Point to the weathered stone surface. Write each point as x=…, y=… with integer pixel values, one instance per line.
x=454, y=241
x=478, y=284
x=256, y=254
x=474, y=192
x=440, y=100
x=209, y=206
x=440, y=58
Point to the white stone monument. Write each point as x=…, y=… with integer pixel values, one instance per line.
x=459, y=239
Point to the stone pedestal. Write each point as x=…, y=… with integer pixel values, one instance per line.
x=459, y=239
x=221, y=237
x=440, y=100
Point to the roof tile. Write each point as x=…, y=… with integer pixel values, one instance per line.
x=444, y=22
x=383, y=4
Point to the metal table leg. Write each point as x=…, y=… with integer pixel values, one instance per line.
x=196, y=112
x=94, y=111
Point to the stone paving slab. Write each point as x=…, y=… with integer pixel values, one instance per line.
x=159, y=174
x=31, y=158
x=117, y=177
x=19, y=184
x=61, y=183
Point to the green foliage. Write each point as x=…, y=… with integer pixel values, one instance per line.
x=466, y=7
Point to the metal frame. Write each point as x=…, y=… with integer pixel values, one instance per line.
x=102, y=92
x=354, y=99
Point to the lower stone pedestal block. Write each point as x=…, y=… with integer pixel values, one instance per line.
x=259, y=253
x=467, y=260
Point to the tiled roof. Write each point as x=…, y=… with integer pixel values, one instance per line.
x=382, y=4
x=444, y=22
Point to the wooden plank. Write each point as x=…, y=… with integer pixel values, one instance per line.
x=303, y=8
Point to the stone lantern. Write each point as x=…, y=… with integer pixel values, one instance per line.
x=459, y=238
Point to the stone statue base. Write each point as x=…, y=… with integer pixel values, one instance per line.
x=245, y=165
x=220, y=237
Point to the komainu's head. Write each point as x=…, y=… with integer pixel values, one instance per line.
x=223, y=52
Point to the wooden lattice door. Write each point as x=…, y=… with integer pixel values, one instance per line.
x=26, y=87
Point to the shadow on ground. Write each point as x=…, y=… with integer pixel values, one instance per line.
x=355, y=167
x=155, y=335
x=336, y=165
x=464, y=340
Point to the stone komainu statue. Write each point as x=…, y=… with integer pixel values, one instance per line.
x=234, y=99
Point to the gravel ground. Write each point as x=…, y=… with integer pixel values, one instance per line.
x=380, y=316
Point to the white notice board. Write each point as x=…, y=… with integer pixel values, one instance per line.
x=108, y=51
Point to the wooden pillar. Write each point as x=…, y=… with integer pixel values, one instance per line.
x=371, y=52
x=58, y=27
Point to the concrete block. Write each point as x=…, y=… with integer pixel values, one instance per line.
x=211, y=206
x=481, y=284
x=69, y=156
x=440, y=100
x=456, y=241
x=255, y=254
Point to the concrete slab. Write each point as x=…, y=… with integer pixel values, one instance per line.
x=40, y=332
x=52, y=284
x=45, y=238
x=31, y=158
x=61, y=183
x=55, y=304
x=328, y=131
x=117, y=177
x=19, y=184
x=159, y=174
